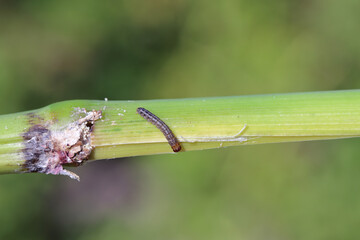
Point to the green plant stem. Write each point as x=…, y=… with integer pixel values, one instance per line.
x=199, y=123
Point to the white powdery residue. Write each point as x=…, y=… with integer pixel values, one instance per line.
x=77, y=111
x=69, y=144
x=67, y=137
x=74, y=140
x=70, y=174
x=6, y=127
x=91, y=116
x=124, y=110
x=120, y=114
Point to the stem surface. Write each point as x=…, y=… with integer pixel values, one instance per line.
x=199, y=123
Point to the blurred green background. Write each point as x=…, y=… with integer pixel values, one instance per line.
x=139, y=49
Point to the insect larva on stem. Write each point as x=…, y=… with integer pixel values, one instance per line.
x=169, y=135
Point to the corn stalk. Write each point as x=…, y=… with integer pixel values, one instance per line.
x=72, y=132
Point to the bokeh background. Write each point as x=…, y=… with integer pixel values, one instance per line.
x=140, y=49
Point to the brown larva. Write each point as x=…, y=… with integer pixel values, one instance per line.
x=170, y=137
